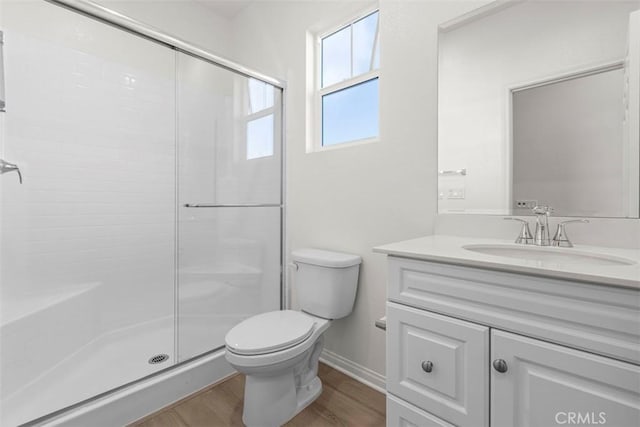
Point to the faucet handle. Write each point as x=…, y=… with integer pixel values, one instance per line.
x=561, y=239
x=10, y=167
x=524, y=237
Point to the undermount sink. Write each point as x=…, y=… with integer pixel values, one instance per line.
x=549, y=254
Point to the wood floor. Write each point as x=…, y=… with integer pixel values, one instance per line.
x=343, y=402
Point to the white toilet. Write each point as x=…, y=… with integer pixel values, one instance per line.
x=279, y=351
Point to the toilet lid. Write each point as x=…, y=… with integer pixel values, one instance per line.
x=269, y=332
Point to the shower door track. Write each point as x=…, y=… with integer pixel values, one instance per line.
x=117, y=19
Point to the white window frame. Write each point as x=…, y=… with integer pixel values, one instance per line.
x=319, y=92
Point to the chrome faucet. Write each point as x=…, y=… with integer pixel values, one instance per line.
x=541, y=236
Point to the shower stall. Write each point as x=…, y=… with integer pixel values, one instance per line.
x=147, y=216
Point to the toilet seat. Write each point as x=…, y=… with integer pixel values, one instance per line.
x=270, y=332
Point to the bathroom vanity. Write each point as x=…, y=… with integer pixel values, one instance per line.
x=481, y=332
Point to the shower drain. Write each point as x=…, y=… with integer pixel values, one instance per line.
x=158, y=358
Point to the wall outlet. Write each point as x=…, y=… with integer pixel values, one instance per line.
x=526, y=204
x=455, y=193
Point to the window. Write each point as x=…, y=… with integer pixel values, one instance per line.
x=347, y=85
x=260, y=119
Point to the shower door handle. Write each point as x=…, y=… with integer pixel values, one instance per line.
x=2, y=100
x=245, y=205
x=10, y=167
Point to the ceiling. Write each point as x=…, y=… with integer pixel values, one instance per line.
x=225, y=8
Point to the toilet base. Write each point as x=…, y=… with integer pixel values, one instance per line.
x=307, y=394
x=285, y=400
x=273, y=398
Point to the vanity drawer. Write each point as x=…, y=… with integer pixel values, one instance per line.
x=439, y=364
x=598, y=318
x=401, y=413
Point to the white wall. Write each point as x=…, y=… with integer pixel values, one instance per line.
x=354, y=198
x=479, y=61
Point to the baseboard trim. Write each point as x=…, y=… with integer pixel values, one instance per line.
x=356, y=371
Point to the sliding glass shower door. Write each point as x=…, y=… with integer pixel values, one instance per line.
x=229, y=244
x=148, y=221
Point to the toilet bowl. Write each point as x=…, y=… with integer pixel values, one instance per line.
x=279, y=351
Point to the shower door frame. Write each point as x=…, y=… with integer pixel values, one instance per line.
x=115, y=19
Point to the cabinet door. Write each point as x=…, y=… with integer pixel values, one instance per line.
x=439, y=364
x=546, y=384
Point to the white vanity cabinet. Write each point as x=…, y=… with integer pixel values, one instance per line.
x=473, y=347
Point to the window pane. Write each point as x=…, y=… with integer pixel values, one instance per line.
x=260, y=137
x=350, y=114
x=336, y=57
x=364, y=35
x=260, y=95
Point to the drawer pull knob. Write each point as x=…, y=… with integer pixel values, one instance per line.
x=500, y=365
x=427, y=366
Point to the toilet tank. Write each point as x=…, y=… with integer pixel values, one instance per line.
x=326, y=281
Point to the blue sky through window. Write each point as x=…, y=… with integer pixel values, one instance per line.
x=350, y=51
x=259, y=127
x=260, y=137
x=364, y=34
x=336, y=57
x=260, y=95
x=350, y=114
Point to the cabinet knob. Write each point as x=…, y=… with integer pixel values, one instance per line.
x=427, y=366
x=500, y=365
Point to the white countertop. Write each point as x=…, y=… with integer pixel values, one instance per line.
x=449, y=250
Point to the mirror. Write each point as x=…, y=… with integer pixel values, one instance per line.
x=539, y=103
